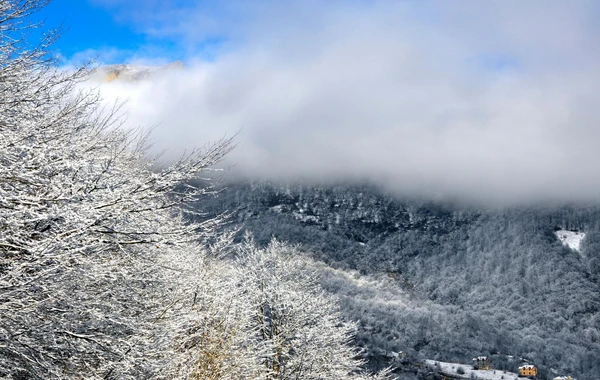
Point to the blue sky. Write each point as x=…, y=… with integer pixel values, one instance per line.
x=121, y=31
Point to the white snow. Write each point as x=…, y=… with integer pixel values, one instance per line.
x=278, y=209
x=491, y=374
x=305, y=218
x=572, y=239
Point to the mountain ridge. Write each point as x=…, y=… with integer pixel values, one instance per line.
x=134, y=73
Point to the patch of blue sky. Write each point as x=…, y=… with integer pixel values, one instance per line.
x=88, y=29
x=109, y=31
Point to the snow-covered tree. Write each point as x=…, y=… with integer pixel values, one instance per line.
x=214, y=339
x=297, y=327
x=88, y=228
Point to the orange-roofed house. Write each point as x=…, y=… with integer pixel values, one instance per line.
x=528, y=370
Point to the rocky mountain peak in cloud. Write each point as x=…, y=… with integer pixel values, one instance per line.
x=134, y=73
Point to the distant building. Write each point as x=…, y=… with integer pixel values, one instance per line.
x=481, y=362
x=528, y=370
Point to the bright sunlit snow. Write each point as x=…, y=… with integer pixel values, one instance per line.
x=451, y=369
x=572, y=239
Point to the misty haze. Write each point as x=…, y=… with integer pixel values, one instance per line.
x=490, y=103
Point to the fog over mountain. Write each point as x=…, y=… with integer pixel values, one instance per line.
x=488, y=103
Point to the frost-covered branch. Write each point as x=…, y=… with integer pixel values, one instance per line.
x=85, y=221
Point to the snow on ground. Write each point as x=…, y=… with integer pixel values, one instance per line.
x=451, y=369
x=572, y=239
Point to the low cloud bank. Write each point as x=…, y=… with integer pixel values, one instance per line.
x=485, y=104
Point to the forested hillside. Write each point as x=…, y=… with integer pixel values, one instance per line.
x=442, y=281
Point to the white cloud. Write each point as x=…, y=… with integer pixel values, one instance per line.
x=493, y=101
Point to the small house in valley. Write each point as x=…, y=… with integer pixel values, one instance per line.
x=481, y=362
x=528, y=370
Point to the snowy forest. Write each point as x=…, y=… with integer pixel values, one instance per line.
x=118, y=264
x=439, y=280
